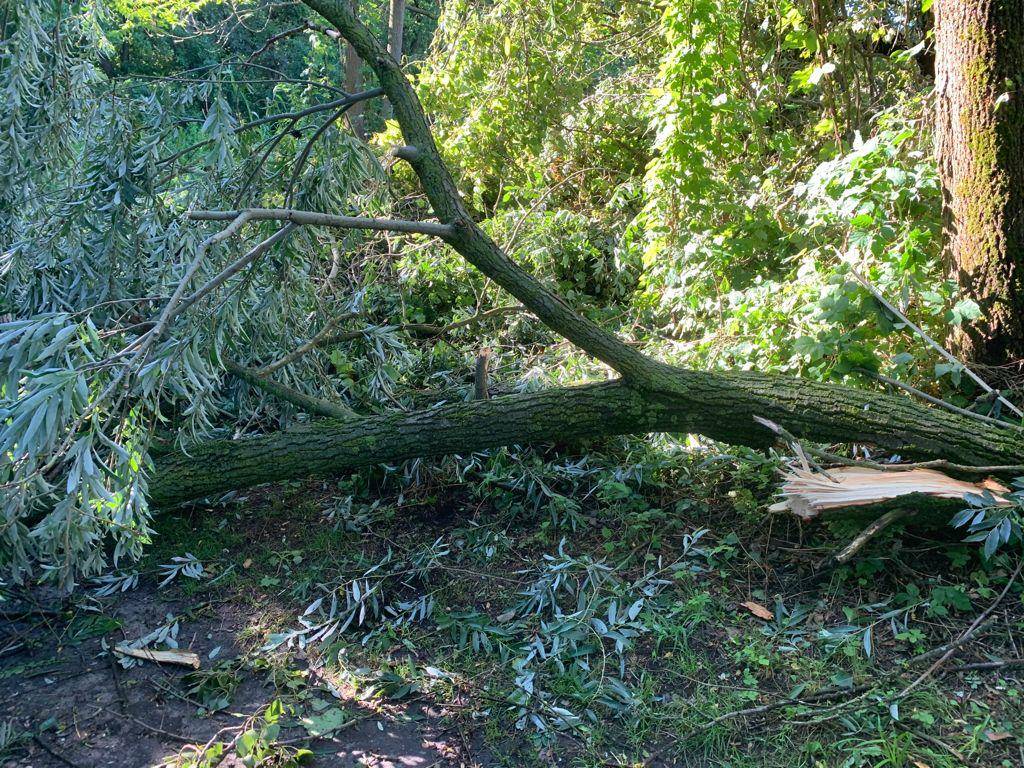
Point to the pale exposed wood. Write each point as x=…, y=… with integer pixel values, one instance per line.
x=808, y=494
x=174, y=656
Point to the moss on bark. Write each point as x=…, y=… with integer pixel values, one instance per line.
x=718, y=405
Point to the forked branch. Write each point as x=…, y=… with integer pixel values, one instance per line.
x=467, y=238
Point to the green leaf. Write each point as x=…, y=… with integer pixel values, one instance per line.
x=325, y=722
x=246, y=743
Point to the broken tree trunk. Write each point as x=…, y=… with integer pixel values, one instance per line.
x=719, y=405
x=651, y=397
x=810, y=494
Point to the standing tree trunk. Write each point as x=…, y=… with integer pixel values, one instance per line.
x=353, y=82
x=396, y=29
x=979, y=88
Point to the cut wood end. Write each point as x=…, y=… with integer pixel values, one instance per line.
x=808, y=494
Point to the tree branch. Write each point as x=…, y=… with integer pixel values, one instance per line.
x=308, y=403
x=467, y=238
x=314, y=219
x=721, y=406
x=304, y=27
x=311, y=344
x=344, y=101
x=425, y=329
x=235, y=267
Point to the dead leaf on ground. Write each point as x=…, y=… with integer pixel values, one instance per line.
x=758, y=610
x=997, y=735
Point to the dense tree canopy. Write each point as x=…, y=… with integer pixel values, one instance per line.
x=712, y=184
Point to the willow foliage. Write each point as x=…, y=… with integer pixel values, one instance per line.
x=96, y=177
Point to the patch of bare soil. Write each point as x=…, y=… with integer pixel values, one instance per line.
x=70, y=703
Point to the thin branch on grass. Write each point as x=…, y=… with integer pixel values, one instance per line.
x=965, y=636
x=871, y=531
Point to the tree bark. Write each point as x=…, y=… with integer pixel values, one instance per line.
x=396, y=29
x=719, y=405
x=471, y=242
x=979, y=89
x=650, y=397
x=353, y=82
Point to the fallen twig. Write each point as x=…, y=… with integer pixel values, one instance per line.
x=965, y=636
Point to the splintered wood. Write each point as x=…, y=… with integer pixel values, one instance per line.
x=171, y=656
x=807, y=494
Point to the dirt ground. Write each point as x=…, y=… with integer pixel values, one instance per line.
x=89, y=711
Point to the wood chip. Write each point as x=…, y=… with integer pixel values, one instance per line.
x=181, y=658
x=758, y=610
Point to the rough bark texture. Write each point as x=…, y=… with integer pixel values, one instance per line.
x=719, y=405
x=468, y=239
x=354, y=81
x=980, y=132
x=651, y=397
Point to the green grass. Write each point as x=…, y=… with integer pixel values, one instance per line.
x=699, y=656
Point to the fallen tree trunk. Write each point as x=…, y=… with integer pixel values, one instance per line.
x=721, y=406
x=652, y=397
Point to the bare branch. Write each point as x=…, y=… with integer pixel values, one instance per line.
x=314, y=219
x=938, y=401
x=931, y=342
x=304, y=27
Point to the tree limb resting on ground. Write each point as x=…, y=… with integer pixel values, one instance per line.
x=721, y=406
x=651, y=397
